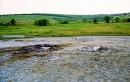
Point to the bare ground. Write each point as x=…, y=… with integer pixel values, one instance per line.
x=66, y=59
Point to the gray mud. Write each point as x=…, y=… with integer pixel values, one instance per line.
x=66, y=59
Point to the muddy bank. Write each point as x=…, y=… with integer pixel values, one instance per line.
x=67, y=59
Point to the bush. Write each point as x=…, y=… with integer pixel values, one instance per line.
x=128, y=19
x=85, y=20
x=13, y=22
x=107, y=19
x=1, y=24
x=117, y=19
x=41, y=22
x=90, y=21
x=95, y=20
x=64, y=22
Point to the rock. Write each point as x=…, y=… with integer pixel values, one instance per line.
x=94, y=48
x=102, y=48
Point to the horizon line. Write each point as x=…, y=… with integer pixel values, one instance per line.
x=64, y=14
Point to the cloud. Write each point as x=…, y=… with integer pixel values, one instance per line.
x=64, y=6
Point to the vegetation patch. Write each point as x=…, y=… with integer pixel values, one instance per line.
x=41, y=22
x=65, y=25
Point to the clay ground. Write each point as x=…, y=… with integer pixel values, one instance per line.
x=66, y=59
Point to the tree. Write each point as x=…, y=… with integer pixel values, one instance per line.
x=13, y=22
x=128, y=19
x=41, y=22
x=124, y=14
x=95, y=20
x=107, y=19
x=117, y=19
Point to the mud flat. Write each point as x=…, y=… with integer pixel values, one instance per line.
x=66, y=59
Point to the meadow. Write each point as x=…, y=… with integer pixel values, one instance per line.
x=25, y=26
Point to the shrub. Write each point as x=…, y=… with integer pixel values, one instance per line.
x=85, y=20
x=107, y=19
x=64, y=22
x=1, y=24
x=128, y=19
x=13, y=22
x=41, y=22
x=95, y=20
x=117, y=19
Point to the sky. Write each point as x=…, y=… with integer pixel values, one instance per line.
x=83, y=7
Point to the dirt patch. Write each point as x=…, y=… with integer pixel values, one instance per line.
x=19, y=53
x=82, y=61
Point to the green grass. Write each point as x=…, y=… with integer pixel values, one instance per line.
x=72, y=29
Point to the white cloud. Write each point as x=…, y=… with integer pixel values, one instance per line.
x=64, y=6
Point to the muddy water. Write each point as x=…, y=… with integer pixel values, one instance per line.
x=81, y=59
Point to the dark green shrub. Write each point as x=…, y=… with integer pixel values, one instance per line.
x=107, y=19
x=13, y=22
x=90, y=21
x=95, y=20
x=117, y=19
x=1, y=24
x=41, y=22
x=85, y=20
x=128, y=19
x=64, y=22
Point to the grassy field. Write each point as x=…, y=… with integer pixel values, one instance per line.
x=72, y=29
x=76, y=27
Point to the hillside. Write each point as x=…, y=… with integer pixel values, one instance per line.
x=32, y=17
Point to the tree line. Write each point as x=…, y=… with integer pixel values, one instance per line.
x=46, y=22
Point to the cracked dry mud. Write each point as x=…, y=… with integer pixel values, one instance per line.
x=80, y=59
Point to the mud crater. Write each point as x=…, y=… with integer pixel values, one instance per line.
x=19, y=53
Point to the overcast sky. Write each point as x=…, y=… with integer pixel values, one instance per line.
x=64, y=6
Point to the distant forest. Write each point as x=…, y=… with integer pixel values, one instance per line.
x=69, y=17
